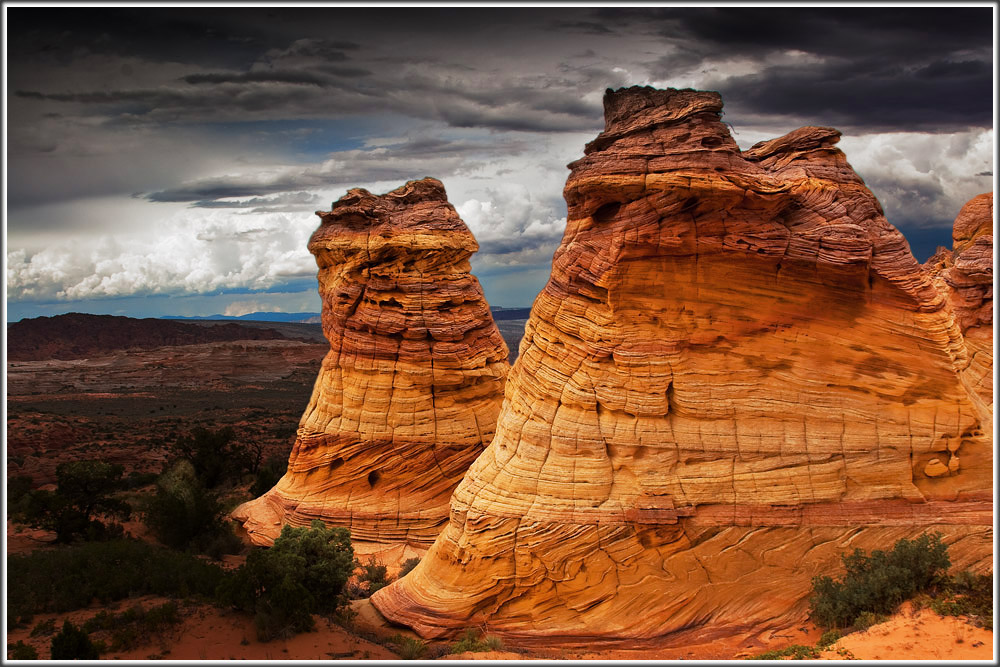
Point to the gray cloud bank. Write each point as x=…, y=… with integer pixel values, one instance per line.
x=231, y=125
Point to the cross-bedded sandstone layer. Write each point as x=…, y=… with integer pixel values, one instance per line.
x=964, y=275
x=409, y=393
x=736, y=373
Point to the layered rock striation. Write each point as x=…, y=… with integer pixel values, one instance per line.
x=964, y=275
x=736, y=373
x=408, y=395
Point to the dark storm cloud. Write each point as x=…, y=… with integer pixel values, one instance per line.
x=898, y=33
x=267, y=52
x=868, y=69
x=151, y=33
x=288, y=201
x=871, y=96
x=269, y=94
x=589, y=27
x=199, y=105
x=259, y=77
x=223, y=187
x=414, y=158
x=258, y=97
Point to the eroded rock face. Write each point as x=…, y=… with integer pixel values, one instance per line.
x=964, y=275
x=736, y=373
x=409, y=392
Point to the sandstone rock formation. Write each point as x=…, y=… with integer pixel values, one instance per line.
x=736, y=373
x=409, y=392
x=964, y=275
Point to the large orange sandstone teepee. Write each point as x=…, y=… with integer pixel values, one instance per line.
x=736, y=373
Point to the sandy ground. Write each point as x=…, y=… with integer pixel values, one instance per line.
x=23, y=540
x=209, y=633
x=917, y=635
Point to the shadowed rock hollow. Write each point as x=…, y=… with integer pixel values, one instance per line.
x=408, y=395
x=736, y=373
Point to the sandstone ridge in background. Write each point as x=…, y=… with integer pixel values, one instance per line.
x=736, y=373
x=80, y=336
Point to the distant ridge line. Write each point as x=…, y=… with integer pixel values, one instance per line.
x=499, y=313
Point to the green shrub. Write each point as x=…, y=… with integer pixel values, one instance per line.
x=410, y=648
x=472, y=640
x=185, y=515
x=72, y=643
x=867, y=619
x=795, y=652
x=71, y=578
x=17, y=488
x=828, y=638
x=303, y=573
x=83, y=497
x=134, y=626
x=408, y=566
x=212, y=454
x=268, y=475
x=879, y=582
x=137, y=480
x=21, y=651
x=967, y=594
x=224, y=542
x=44, y=628
x=375, y=574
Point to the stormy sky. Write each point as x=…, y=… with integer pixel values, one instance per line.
x=169, y=160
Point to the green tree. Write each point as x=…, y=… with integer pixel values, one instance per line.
x=18, y=487
x=268, y=475
x=83, y=497
x=408, y=566
x=21, y=651
x=878, y=582
x=19, y=494
x=183, y=514
x=302, y=574
x=375, y=574
x=72, y=643
x=214, y=454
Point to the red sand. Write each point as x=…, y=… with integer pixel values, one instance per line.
x=209, y=633
x=920, y=635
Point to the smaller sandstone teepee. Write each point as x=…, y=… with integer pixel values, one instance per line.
x=409, y=393
x=964, y=275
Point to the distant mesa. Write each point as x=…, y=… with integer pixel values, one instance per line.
x=80, y=335
x=736, y=373
x=260, y=316
x=409, y=393
x=315, y=318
